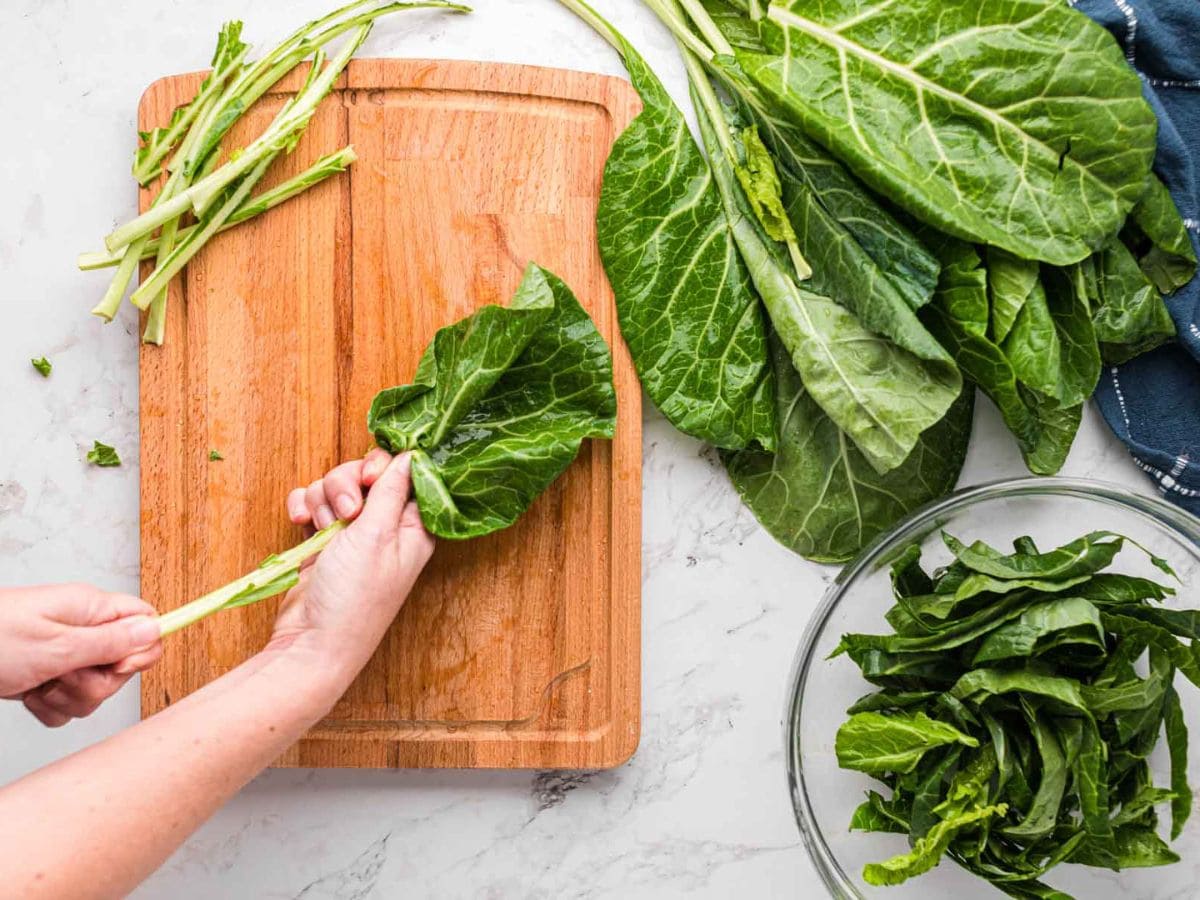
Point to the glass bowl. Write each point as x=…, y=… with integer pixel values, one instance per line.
x=1053, y=511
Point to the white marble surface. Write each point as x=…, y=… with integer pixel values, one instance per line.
x=702, y=809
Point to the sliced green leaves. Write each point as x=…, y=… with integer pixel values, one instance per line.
x=1016, y=719
x=499, y=406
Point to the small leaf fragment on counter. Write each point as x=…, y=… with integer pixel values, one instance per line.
x=42, y=365
x=103, y=455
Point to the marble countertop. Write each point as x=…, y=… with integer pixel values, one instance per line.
x=702, y=809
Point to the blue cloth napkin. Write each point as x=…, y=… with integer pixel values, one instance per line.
x=1152, y=403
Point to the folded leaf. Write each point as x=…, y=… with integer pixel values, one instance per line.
x=1130, y=316
x=499, y=407
x=879, y=394
x=818, y=495
x=927, y=852
x=1015, y=125
x=1156, y=232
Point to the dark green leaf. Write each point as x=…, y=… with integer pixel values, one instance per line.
x=1130, y=315
x=910, y=98
x=686, y=305
x=1156, y=231
x=818, y=495
x=1083, y=556
x=499, y=407
x=1177, y=747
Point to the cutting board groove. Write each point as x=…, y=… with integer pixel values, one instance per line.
x=521, y=649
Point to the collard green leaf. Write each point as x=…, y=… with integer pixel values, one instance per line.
x=876, y=744
x=1130, y=316
x=877, y=814
x=1133, y=846
x=959, y=317
x=1156, y=232
x=945, y=111
x=975, y=584
x=1052, y=345
x=1071, y=617
x=1177, y=747
x=1042, y=815
x=818, y=495
x=856, y=247
x=1118, y=588
x=928, y=851
x=685, y=301
x=980, y=685
x=881, y=395
x=1010, y=282
x=499, y=406
x=42, y=365
x=1083, y=556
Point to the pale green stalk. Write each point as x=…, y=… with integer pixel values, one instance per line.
x=146, y=167
x=184, y=251
x=707, y=27
x=328, y=165
x=276, y=575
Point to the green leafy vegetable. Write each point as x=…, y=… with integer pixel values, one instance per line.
x=103, y=455
x=42, y=365
x=895, y=91
x=1014, y=723
x=685, y=302
x=499, y=407
x=500, y=404
x=187, y=150
x=215, y=456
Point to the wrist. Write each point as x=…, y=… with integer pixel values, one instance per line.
x=323, y=674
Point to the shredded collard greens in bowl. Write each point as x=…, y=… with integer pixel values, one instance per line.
x=907, y=782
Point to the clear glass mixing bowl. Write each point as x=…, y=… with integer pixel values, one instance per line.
x=1053, y=511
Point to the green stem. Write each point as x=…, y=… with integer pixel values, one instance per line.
x=115, y=292
x=326, y=166
x=184, y=251
x=669, y=15
x=274, y=577
x=708, y=28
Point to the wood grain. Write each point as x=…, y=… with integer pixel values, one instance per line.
x=521, y=649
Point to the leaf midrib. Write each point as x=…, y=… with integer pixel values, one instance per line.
x=786, y=17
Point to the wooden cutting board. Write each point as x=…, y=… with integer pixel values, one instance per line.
x=521, y=649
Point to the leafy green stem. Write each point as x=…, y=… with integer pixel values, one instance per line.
x=277, y=574
x=707, y=27
x=326, y=166
x=210, y=225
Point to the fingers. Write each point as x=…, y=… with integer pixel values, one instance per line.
x=139, y=662
x=339, y=495
x=318, y=505
x=78, y=694
x=298, y=510
x=84, y=604
x=343, y=489
x=418, y=543
x=80, y=647
x=49, y=717
x=389, y=495
x=375, y=464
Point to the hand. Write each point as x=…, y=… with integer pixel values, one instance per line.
x=346, y=600
x=66, y=648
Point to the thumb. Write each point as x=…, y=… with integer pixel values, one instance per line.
x=110, y=642
x=388, y=496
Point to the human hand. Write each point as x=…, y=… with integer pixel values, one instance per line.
x=348, y=597
x=66, y=648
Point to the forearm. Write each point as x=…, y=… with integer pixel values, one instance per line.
x=98, y=822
